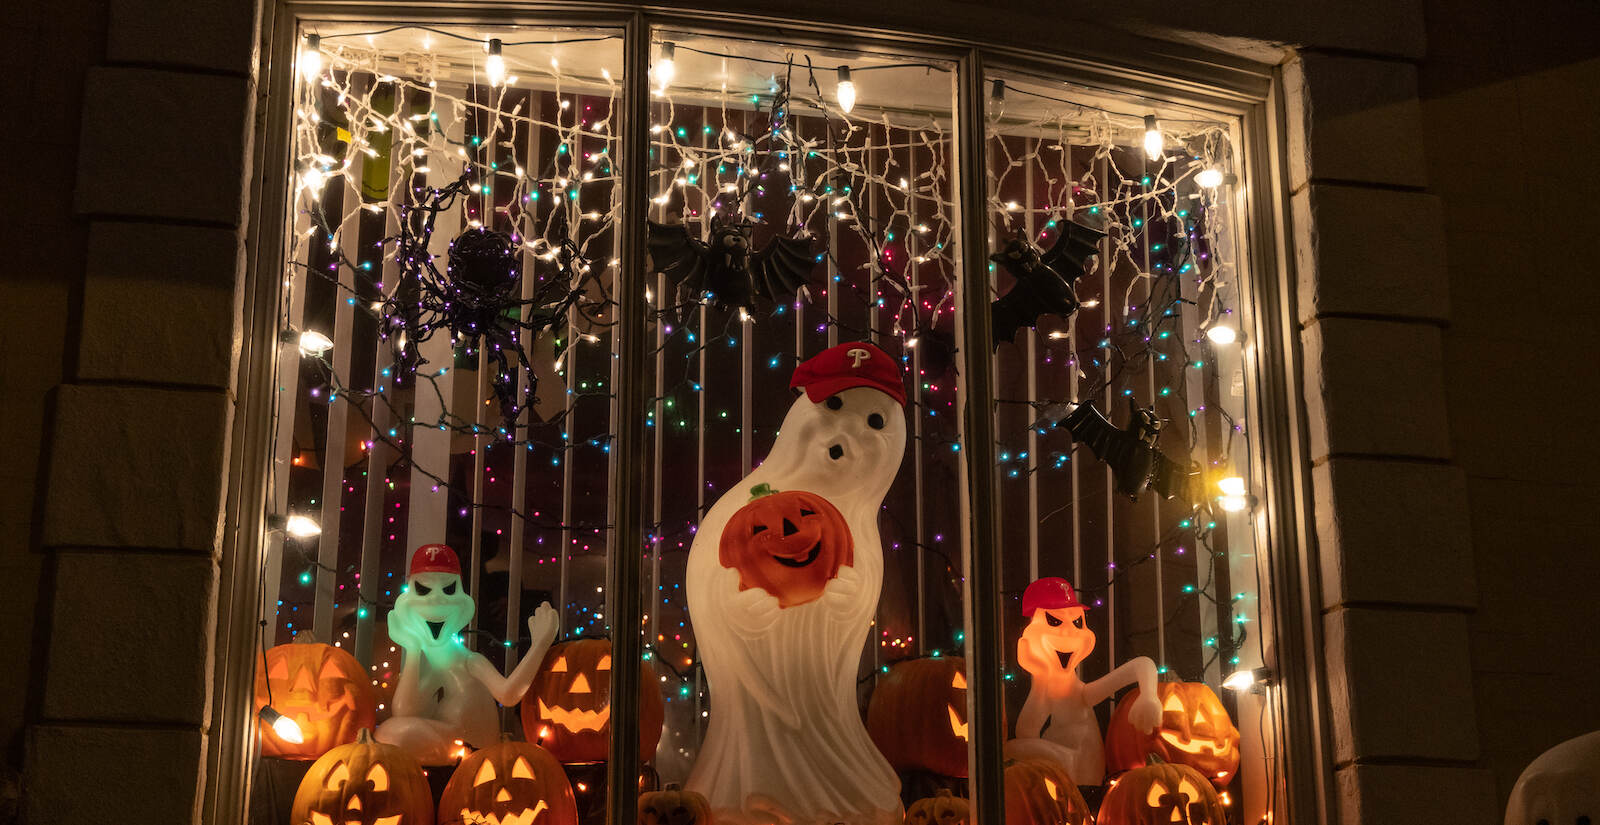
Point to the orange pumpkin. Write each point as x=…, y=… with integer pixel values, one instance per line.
x=1195, y=730
x=323, y=689
x=568, y=707
x=790, y=544
x=918, y=715
x=674, y=807
x=1162, y=794
x=512, y=782
x=942, y=809
x=364, y=783
x=1039, y=792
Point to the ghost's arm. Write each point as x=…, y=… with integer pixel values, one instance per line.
x=1030, y=722
x=408, y=699
x=1141, y=670
x=508, y=690
x=748, y=615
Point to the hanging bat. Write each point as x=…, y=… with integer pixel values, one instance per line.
x=1131, y=453
x=724, y=271
x=1045, y=280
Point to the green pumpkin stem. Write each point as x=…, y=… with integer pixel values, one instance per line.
x=761, y=490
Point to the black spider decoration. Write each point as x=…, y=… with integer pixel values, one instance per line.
x=724, y=272
x=477, y=300
x=1135, y=462
x=1045, y=280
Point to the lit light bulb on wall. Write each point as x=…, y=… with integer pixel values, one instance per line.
x=1210, y=177
x=1153, y=143
x=847, y=90
x=301, y=527
x=1242, y=680
x=1235, y=496
x=666, y=64
x=494, y=66
x=1221, y=334
x=311, y=58
x=287, y=729
x=313, y=343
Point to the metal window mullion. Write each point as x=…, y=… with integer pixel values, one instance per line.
x=1033, y=370
x=519, y=457
x=917, y=414
x=1109, y=302
x=1155, y=501
x=987, y=708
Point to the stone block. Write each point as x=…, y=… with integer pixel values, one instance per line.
x=219, y=35
x=130, y=776
x=158, y=304
x=1375, y=388
x=162, y=144
x=1415, y=793
x=1393, y=531
x=130, y=638
x=1354, y=119
x=1399, y=685
x=1369, y=252
x=136, y=467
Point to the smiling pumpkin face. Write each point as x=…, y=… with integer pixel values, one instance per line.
x=918, y=715
x=790, y=544
x=323, y=689
x=364, y=783
x=512, y=783
x=1162, y=794
x=1195, y=730
x=568, y=707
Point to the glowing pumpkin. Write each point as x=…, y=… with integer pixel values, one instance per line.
x=323, y=689
x=918, y=715
x=1195, y=730
x=512, y=783
x=1039, y=792
x=943, y=809
x=568, y=708
x=790, y=544
x=364, y=783
x=674, y=807
x=1162, y=794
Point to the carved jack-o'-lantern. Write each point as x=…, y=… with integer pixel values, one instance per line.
x=1039, y=792
x=512, y=783
x=1195, y=730
x=674, y=807
x=918, y=715
x=323, y=689
x=364, y=783
x=941, y=809
x=568, y=708
x=789, y=544
x=1162, y=794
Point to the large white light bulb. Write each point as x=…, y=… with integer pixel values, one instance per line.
x=311, y=58
x=314, y=343
x=1231, y=486
x=494, y=66
x=1210, y=177
x=1153, y=143
x=1240, y=680
x=666, y=66
x=301, y=527
x=287, y=729
x=1220, y=334
x=847, y=90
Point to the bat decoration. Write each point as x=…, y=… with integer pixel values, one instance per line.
x=1135, y=462
x=1045, y=280
x=724, y=272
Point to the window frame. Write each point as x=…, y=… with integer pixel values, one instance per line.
x=1172, y=72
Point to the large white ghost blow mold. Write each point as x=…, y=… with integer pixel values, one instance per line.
x=1560, y=787
x=783, y=581
x=446, y=693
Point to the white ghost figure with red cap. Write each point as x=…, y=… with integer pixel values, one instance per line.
x=446, y=693
x=1560, y=787
x=783, y=581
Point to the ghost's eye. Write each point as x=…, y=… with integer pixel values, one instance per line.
x=422, y=589
x=450, y=589
x=1078, y=623
x=835, y=403
x=1051, y=620
x=875, y=421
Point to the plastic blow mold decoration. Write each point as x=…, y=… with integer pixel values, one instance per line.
x=782, y=590
x=1195, y=730
x=323, y=689
x=942, y=808
x=1562, y=785
x=1162, y=794
x=511, y=783
x=1039, y=792
x=918, y=715
x=674, y=806
x=364, y=783
x=568, y=709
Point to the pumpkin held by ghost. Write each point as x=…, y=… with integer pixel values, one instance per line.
x=1039, y=792
x=1195, y=730
x=941, y=809
x=788, y=543
x=512, y=783
x=1162, y=794
x=364, y=783
x=568, y=707
x=674, y=806
x=918, y=715
x=322, y=688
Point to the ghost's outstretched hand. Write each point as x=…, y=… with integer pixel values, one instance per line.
x=1145, y=713
x=842, y=594
x=543, y=626
x=750, y=612
x=406, y=630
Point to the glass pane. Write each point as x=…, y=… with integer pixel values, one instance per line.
x=452, y=242
x=805, y=548
x=1128, y=546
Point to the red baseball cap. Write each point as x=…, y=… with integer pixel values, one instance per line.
x=857, y=364
x=1051, y=593
x=434, y=558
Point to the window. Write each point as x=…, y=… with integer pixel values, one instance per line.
x=447, y=454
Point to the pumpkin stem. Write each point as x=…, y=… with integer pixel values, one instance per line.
x=760, y=490
x=1154, y=759
x=364, y=737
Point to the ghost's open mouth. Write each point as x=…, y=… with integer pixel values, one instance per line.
x=1065, y=657
x=836, y=452
x=816, y=550
x=437, y=628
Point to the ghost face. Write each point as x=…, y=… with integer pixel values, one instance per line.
x=1058, y=640
x=1561, y=787
x=848, y=447
x=435, y=606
